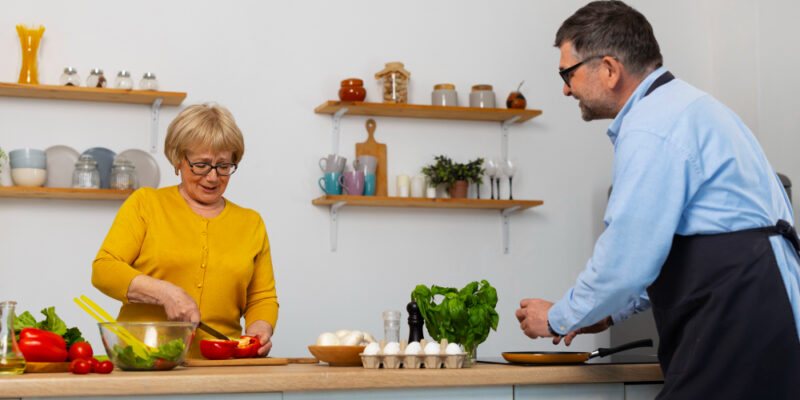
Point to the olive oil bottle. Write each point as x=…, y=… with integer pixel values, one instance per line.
x=11, y=360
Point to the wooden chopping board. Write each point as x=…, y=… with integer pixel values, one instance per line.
x=34, y=367
x=193, y=362
x=377, y=150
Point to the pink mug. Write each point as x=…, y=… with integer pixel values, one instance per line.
x=352, y=182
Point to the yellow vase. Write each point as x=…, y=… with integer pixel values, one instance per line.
x=29, y=40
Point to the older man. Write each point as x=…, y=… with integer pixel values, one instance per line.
x=696, y=225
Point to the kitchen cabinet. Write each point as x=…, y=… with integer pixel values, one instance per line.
x=506, y=117
x=155, y=99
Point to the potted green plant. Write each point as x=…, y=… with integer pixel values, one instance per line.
x=456, y=176
x=3, y=159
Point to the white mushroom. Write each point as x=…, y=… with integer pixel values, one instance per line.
x=327, y=339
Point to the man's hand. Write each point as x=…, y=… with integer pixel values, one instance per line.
x=596, y=328
x=263, y=331
x=532, y=316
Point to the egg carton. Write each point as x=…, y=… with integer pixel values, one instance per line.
x=413, y=361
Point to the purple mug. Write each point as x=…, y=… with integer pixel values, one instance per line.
x=352, y=182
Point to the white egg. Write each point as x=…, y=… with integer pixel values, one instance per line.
x=432, y=348
x=352, y=339
x=327, y=339
x=453, y=348
x=372, y=349
x=413, y=348
x=391, y=348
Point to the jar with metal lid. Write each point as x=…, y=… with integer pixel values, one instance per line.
x=123, y=174
x=70, y=77
x=86, y=175
x=123, y=80
x=444, y=94
x=481, y=96
x=96, y=79
x=393, y=82
x=148, y=82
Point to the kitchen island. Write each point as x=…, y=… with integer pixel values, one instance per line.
x=307, y=381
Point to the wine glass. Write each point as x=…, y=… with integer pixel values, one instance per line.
x=509, y=168
x=498, y=173
x=491, y=168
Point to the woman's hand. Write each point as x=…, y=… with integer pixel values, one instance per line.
x=178, y=305
x=263, y=331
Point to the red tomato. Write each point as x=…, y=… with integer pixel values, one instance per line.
x=80, y=350
x=215, y=349
x=80, y=366
x=162, y=364
x=104, y=367
x=93, y=362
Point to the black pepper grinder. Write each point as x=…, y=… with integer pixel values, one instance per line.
x=415, y=322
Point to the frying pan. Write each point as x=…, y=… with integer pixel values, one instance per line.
x=569, y=357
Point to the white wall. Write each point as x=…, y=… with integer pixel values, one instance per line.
x=272, y=63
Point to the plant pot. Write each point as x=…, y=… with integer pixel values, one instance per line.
x=459, y=190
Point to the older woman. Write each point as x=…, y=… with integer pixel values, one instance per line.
x=184, y=252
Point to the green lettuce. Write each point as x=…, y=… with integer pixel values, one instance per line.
x=50, y=323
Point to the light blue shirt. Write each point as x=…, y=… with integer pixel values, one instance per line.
x=683, y=164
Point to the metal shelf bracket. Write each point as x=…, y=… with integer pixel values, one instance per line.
x=504, y=218
x=154, y=125
x=337, y=117
x=335, y=223
x=504, y=138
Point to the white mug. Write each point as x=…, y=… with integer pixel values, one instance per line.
x=418, y=186
x=402, y=185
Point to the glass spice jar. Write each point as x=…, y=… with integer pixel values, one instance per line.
x=96, y=79
x=393, y=82
x=70, y=77
x=148, y=82
x=123, y=80
x=352, y=90
x=86, y=175
x=123, y=174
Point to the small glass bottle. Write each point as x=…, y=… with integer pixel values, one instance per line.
x=11, y=359
x=123, y=174
x=70, y=77
x=148, y=82
x=86, y=175
x=123, y=80
x=391, y=326
x=96, y=79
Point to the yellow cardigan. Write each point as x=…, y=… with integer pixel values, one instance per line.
x=223, y=262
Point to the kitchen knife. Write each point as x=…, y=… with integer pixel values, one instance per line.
x=213, y=332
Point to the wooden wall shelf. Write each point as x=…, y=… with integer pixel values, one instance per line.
x=63, y=193
x=381, y=201
x=423, y=111
x=90, y=94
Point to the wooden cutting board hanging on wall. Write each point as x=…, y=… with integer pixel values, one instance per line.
x=377, y=150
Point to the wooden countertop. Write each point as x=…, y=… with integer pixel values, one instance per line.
x=297, y=377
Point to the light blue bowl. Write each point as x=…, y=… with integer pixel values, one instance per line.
x=27, y=158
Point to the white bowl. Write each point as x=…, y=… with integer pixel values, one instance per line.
x=33, y=177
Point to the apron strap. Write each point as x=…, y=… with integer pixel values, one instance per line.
x=661, y=80
x=784, y=229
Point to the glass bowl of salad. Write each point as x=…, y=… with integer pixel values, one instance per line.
x=147, y=346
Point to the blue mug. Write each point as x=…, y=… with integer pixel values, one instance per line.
x=330, y=183
x=369, y=185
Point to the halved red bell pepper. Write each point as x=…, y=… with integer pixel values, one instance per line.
x=247, y=347
x=215, y=349
x=42, y=346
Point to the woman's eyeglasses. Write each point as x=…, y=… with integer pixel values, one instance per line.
x=202, y=168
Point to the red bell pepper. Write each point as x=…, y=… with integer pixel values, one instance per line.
x=247, y=347
x=42, y=346
x=215, y=349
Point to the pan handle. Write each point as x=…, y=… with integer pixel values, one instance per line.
x=602, y=352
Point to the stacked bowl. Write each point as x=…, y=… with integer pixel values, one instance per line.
x=28, y=167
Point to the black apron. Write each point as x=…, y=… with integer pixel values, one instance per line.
x=723, y=316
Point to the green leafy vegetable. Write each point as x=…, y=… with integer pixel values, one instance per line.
x=463, y=316
x=50, y=323
x=170, y=351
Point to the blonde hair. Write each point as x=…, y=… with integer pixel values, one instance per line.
x=203, y=126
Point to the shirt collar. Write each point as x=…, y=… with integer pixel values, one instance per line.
x=637, y=95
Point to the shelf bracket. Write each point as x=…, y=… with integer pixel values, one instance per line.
x=337, y=117
x=335, y=222
x=154, y=125
x=504, y=217
x=504, y=138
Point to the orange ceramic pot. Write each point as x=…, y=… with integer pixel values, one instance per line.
x=352, y=90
